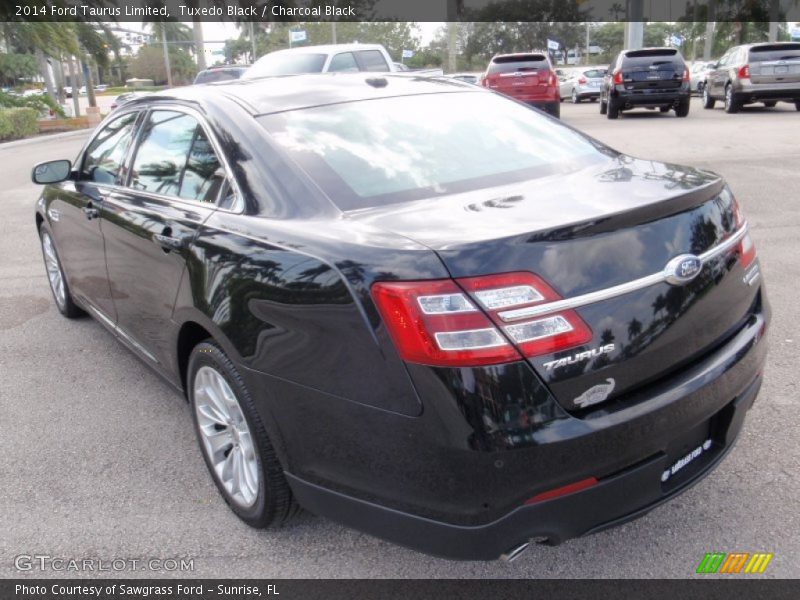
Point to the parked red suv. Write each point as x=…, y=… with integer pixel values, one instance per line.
x=527, y=77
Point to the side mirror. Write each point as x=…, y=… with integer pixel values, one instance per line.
x=52, y=171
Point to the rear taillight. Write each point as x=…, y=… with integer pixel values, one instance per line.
x=747, y=249
x=617, y=76
x=582, y=80
x=686, y=75
x=744, y=72
x=435, y=323
x=459, y=323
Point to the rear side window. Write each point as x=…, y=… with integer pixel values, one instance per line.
x=161, y=157
x=204, y=176
x=176, y=158
x=518, y=62
x=372, y=60
x=106, y=153
x=775, y=52
x=344, y=61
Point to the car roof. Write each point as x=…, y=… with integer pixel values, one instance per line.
x=265, y=95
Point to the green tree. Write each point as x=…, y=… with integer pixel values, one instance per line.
x=149, y=64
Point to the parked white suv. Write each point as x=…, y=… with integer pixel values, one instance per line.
x=323, y=59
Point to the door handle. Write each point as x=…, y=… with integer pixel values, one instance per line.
x=91, y=212
x=167, y=242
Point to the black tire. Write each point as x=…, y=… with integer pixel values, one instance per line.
x=575, y=98
x=613, y=109
x=554, y=109
x=663, y=109
x=603, y=107
x=770, y=104
x=700, y=87
x=732, y=103
x=274, y=505
x=797, y=105
x=66, y=305
x=593, y=98
x=708, y=101
x=682, y=110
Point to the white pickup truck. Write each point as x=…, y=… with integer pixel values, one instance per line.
x=335, y=58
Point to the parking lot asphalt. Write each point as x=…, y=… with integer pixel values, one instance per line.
x=98, y=458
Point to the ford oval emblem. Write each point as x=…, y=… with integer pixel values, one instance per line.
x=682, y=269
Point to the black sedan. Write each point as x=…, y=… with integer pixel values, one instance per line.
x=413, y=305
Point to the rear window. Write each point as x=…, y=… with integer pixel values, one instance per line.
x=433, y=144
x=518, y=62
x=644, y=58
x=218, y=75
x=595, y=73
x=775, y=52
x=286, y=64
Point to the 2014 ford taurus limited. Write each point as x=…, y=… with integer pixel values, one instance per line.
x=415, y=306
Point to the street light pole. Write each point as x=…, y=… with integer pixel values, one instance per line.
x=166, y=53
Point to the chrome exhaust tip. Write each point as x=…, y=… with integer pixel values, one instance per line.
x=512, y=554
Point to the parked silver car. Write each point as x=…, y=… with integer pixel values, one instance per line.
x=583, y=84
x=765, y=73
x=698, y=73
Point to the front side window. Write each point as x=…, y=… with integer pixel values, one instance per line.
x=105, y=155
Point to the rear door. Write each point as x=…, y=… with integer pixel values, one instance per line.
x=775, y=63
x=521, y=76
x=176, y=178
x=658, y=69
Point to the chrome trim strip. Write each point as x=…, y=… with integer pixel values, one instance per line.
x=617, y=290
x=124, y=335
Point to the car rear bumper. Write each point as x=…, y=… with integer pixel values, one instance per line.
x=756, y=92
x=612, y=501
x=632, y=98
x=413, y=482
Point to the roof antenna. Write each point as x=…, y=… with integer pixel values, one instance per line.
x=377, y=82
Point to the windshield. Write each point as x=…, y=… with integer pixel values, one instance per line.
x=285, y=64
x=375, y=152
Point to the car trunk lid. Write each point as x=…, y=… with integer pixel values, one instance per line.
x=639, y=217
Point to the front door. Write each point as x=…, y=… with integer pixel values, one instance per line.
x=75, y=214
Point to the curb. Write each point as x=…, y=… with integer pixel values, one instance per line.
x=45, y=138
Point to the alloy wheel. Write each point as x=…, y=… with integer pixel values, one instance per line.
x=54, y=274
x=226, y=436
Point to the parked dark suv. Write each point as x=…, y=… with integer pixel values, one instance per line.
x=755, y=73
x=650, y=77
x=528, y=77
